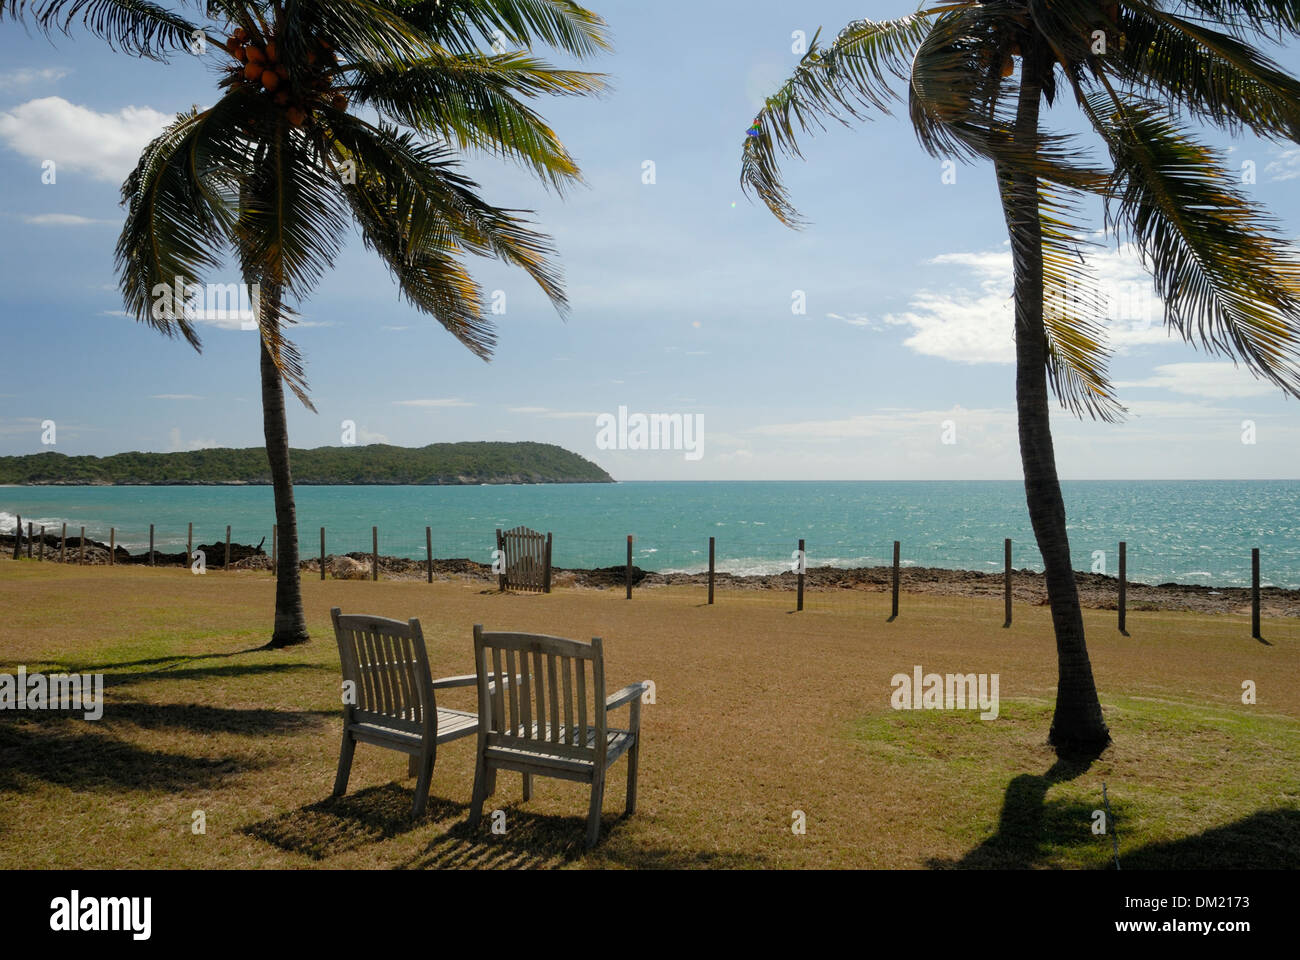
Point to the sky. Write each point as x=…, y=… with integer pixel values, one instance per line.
x=684, y=293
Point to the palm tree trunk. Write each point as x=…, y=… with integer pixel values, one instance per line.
x=290, y=623
x=1077, y=725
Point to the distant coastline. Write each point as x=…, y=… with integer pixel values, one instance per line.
x=439, y=464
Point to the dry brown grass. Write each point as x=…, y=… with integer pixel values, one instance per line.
x=759, y=712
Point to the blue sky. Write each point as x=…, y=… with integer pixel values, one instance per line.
x=682, y=289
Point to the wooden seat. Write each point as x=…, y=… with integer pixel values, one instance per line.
x=389, y=697
x=539, y=724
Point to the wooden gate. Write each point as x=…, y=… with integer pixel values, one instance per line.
x=525, y=558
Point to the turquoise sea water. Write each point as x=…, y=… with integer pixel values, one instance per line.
x=1183, y=531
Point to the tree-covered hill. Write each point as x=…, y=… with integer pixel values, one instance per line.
x=438, y=463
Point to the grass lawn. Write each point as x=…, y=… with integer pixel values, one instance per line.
x=759, y=712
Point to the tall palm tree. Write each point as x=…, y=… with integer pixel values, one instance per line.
x=976, y=76
x=331, y=111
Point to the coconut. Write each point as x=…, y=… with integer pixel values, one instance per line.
x=270, y=79
x=253, y=72
x=271, y=50
x=1008, y=67
x=256, y=54
x=297, y=116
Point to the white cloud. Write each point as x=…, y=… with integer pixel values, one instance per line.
x=1219, y=380
x=59, y=220
x=25, y=77
x=447, y=402
x=174, y=435
x=103, y=145
x=974, y=322
x=1286, y=166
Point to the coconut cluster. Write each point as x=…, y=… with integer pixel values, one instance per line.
x=295, y=88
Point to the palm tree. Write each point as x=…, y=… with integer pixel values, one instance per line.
x=977, y=75
x=331, y=111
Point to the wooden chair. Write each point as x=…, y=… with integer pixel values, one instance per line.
x=525, y=560
x=390, y=701
x=529, y=728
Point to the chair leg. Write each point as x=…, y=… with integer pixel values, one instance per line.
x=345, y=764
x=528, y=787
x=412, y=765
x=425, y=761
x=593, y=814
x=481, y=777
x=631, y=774
x=491, y=781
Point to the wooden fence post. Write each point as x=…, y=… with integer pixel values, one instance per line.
x=546, y=573
x=1254, y=594
x=1123, y=587
x=374, y=553
x=629, y=566
x=226, y=566
x=428, y=551
x=894, y=612
x=151, y=560
x=29, y=539
x=63, y=545
x=81, y=547
x=1006, y=577
x=500, y=560
x=322, y=553
x=189, y=545
x=710, y=570
x=802, y=564
x=41, y=555
x=112, y=544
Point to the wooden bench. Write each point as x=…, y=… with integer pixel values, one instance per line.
x=525, y=557
x=389, y=697
x=531, y=726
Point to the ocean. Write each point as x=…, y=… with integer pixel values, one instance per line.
x=1193, y=531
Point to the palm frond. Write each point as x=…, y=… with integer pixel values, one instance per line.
x=466, y=25
x=133, y=26
x=856, y=73
x=1219, y=78
x=435, y=205
x=1228, y=280
x=472, y=100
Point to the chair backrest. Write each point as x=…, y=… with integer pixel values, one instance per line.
x=526, y=559
x=388, y=668
x=553, y=700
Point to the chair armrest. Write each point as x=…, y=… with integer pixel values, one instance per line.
x=468, y=680
x=626, y=695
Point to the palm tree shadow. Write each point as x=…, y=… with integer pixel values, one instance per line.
x=1028, y=821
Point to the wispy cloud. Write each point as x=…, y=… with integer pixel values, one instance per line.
x=1216, y=380
x=444, y=402
x=25, y=77
x=60, y=220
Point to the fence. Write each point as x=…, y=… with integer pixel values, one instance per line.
x=706, y=587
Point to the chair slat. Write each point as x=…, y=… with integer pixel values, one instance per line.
x=582, y=701
x=567, y=669
x=498, y=695
x=553, y=690
x=514, y=690
x=539, y=687
x=525, y=698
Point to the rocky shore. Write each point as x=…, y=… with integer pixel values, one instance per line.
x=1095, y=590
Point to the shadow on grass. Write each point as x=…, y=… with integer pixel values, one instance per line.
x=204, y=719
x=199, y=673
x=1265, y=840
x=65, y=752
x=156, y=661
x=338, y=824
x=1028, y=823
